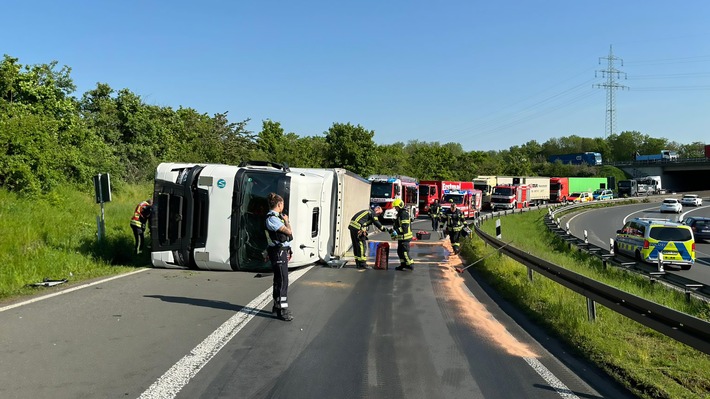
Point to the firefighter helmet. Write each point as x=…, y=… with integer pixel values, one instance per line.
x=398, y=203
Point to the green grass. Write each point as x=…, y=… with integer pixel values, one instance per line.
x=54, y=236
x=648, y=363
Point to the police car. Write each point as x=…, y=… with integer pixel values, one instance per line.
x=646, y=238
x=603, y=194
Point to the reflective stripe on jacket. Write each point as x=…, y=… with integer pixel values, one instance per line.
x=403, y=226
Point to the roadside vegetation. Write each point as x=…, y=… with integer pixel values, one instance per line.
x=54, y=236
x=648, y=363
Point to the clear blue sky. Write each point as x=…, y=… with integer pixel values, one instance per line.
x=486, y=74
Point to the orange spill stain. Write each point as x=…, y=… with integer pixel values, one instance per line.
x=327, y=284
x=473, y=312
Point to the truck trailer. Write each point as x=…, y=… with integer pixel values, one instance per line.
x=664, y=155
x=590, y=158
x=561, y=187
x=211, y=216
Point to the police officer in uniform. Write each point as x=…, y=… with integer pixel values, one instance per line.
x=358, y=233
x=454, y=224
x=435, y=215
x=279, y=235
x=402, y=231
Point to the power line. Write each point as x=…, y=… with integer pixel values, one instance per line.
x=610, y=73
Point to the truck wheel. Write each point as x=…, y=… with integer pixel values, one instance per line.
x=685, y=267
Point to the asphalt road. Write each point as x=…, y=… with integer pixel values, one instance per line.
x=601, y=225
x=157, y=333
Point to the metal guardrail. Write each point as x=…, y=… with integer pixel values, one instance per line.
x=682, y=327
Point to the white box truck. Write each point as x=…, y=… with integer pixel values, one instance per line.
x=211, y=216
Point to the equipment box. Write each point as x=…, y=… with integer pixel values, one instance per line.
x=423, y=235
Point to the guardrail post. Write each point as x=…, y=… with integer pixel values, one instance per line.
x=558, y=223
x=530, y=273
x=611, y=246
x=586, y=240
x=690, y=288
x=591, y=309
x=498, y=233
x=660, y=262
x=567, y=228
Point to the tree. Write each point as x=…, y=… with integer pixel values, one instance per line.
x=351, y=147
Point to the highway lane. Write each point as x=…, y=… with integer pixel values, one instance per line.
x=431, y=333
x=601, y=225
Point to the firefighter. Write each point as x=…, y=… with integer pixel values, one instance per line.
x=435, y=215
x=140, y=217
x=358, y=233
x=279, y=235
x=402, y=231
x=454, y=224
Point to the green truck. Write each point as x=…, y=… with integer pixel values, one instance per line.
x=562, y=187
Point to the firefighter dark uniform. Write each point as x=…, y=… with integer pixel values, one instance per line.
x=402, y=231
x=279, y=250
x=358, y=233
x=454, y=224
x=141, y=215
x=435, y=215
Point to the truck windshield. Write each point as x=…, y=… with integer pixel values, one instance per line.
x=555, y=186
x=423, y=191
x=503, y=191
x=381, y=190
x=625, y=184
x=482, y=187
x=453, y=199
x=249, y=211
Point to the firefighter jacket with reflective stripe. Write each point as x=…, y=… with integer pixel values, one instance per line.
x=455, y=221
x=434, y=210
x=276, y=238
x=364, y=218
x=140, y=214
x=402, y=225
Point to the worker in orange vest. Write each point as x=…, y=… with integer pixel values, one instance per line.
x=140, y=217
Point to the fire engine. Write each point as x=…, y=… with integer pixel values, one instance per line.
x=384, y=189
x=429, y=190
x=468, y=201
x=510, y=196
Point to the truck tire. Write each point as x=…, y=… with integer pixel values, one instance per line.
x=685, y=267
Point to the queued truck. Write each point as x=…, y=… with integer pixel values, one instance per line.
x=589, y=158
x=664, y=155
x=539, y=187
x=485, y=184
x=211, y=216
x=510, y=196
x=562, y=187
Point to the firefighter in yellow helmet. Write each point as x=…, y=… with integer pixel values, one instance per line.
x=455, y=221
x=402, y=231
x=358, y=233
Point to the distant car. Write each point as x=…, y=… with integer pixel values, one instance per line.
x=671, y=205
x=602, y=195
x=583, y=196
x=700, y=226
x=691, y=199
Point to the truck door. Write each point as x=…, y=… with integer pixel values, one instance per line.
x=178, y=210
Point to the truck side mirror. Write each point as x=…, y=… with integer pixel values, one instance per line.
x=618, y=231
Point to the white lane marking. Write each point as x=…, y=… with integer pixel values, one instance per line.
x=539, y=368
x=558, y=385
x=68, y=290
x=170, y=383
x=642, y=210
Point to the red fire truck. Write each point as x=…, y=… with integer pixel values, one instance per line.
x=429, y=190
x=468, y=201
x=384, y=189
x=510, y=196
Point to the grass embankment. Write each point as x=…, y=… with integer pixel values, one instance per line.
x=54, y=236
x=648, y=363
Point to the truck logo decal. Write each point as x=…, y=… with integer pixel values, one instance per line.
x=221, y=183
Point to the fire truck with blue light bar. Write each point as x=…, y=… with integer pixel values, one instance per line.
x=384, y=189
x=468, y=201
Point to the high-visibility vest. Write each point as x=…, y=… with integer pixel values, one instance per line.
x=455, y=221
x=276, y=238
x=136, y=220
x=363, y=219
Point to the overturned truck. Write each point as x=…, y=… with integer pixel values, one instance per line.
x=211, y=216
